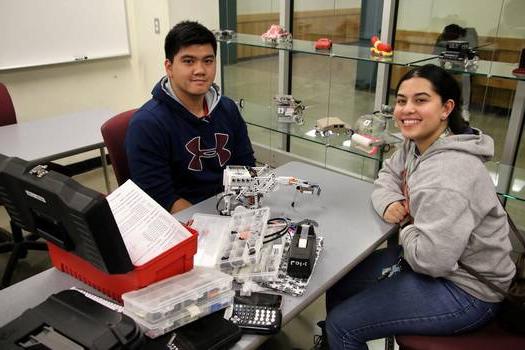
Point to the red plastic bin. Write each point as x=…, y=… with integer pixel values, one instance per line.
x=178, y=259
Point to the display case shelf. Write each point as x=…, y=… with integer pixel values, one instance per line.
x=484, y=68
x=354, y=52
x=265, y=117
x=504, y=70
x=500, y=173
x=262, y=114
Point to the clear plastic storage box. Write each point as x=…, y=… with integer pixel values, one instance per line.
x=266, y=269
x=245, y=241
x=214, y=231
x=167, y=299
x=236, y=245
x=188, y=314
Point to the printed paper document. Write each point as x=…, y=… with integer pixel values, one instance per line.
x=147, y=229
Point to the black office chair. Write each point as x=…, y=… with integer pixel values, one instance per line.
x=13, y=242
x=18, y=246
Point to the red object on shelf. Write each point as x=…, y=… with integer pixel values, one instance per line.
x=178, y=259
x=519, y=72
x=323, y=44
x=380, y=48
x=384, y=47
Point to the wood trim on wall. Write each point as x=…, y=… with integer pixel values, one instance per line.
x=340, y=25
x=502, y=49
x=493, y=92
x=496, y=92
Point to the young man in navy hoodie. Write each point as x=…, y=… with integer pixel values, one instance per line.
x=180, y=141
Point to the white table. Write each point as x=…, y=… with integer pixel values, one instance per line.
x=347, y=221
x=49, y=139
x=350, y=226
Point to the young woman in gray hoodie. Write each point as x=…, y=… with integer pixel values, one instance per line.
x=437, y=188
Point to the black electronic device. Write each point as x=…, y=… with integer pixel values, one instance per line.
x=458, y=51
x=62, y=211
x=258, y=313
x=69, y=320
x=301, y=255
x=457, y=45
x=211, y=332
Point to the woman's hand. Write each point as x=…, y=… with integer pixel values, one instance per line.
x=395, y=213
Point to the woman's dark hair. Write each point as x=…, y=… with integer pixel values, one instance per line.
x=187, y=33
x=444, y=84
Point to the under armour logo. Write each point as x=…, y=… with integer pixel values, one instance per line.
x=219, y=151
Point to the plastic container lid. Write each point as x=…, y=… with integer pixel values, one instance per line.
x=164, y=299
x=213, y=233
x=188, y=314
x=266, y=270
x=245, y=241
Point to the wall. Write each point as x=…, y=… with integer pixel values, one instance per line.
x=123, y=83
x=503, y=18
x=46, y=91
x=340, y=24
x=247, y=7
x=499, y=22
x=117, y=84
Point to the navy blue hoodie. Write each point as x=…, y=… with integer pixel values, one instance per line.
x=174, y=154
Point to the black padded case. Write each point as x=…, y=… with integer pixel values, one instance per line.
x=69, y=319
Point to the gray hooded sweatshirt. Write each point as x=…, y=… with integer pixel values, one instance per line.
x=455, y=210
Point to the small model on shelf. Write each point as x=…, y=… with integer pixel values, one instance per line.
x=379, y=48
x=332, y=125
x=276, y=34
x=289, y=110
x=371, y=132
x=458, y=54
x=224, y=34
x=520, y=71
x=323, y=44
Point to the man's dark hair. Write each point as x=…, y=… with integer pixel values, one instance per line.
x=453, y=32
x=187, y=33
x=444, y=84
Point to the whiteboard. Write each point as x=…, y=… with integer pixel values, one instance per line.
x=42, y=32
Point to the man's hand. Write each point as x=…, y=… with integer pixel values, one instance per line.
x=395, y=213
x=180, y=204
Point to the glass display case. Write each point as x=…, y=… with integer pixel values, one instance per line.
x=347, y=82
x=494, y=97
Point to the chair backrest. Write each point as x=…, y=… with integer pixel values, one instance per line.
x=7, y=110
x=114, y=133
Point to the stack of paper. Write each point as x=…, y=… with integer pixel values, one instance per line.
x=147, y=229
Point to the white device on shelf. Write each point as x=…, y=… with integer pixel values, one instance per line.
x=289, y=109
x=245, y=186
x=372, y=132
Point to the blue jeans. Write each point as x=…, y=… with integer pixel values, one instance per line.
x=405, y=303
